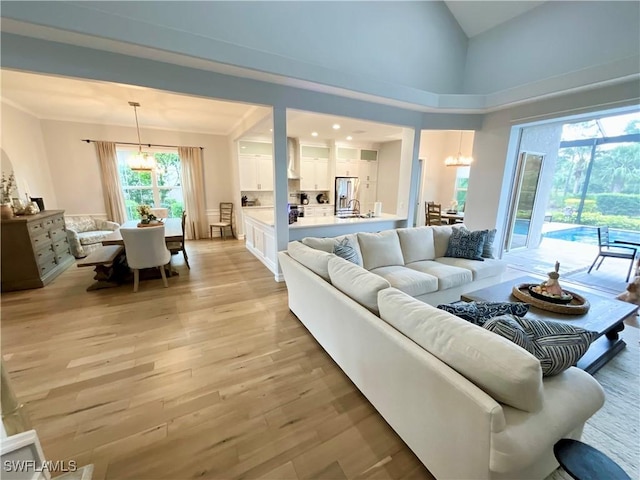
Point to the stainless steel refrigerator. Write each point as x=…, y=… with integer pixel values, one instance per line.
x=346, y=196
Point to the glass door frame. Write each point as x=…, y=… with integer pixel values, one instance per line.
x=514, y=199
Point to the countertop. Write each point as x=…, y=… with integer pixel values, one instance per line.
x=265, y=216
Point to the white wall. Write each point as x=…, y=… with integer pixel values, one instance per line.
x=23, y=146
x=76, y=175
x=356, y=42
x=389, y=175
x=597, y=40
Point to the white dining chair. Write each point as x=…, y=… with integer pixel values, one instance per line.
x=145, y=247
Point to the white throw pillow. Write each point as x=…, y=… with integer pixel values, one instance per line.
x=417, y=244
x=357, y=283
x=507, y=372
x=324, y=244
x=380, y=249
x=315, y=260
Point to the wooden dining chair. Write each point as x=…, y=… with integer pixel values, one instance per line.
x=177, y=247
x=145, y=248
x=226, y=220
x=433, y=214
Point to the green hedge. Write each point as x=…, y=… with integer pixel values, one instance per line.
x=599, y=220
x=618, y=204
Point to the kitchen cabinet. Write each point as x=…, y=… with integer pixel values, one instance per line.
x=347, y=162
x=367, y=194
x=256, y=172
x=314, y=174
x=314, y=168
x=318, y=210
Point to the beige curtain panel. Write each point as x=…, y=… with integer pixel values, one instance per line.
x=111, y=187
x=193, y=192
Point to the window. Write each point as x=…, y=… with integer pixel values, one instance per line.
x=462, y=182
x=161, y=188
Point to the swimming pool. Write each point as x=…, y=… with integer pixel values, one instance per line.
x=589, y=235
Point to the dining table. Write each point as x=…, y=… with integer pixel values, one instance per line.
x=453, y=217
x=172, y=231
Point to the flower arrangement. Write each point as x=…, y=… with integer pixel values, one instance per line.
x=8, y=186
x=145, y=214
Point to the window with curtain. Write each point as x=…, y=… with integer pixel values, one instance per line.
x=462, y=182
x=160, y=188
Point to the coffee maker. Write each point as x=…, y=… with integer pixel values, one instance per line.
x=304, y=198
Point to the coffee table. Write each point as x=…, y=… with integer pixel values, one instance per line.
x=605, y=317
x=583, y=462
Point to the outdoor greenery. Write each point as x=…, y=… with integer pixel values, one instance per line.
x=613, y=190
x=161, y=188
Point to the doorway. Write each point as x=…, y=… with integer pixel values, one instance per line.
x=523, y=203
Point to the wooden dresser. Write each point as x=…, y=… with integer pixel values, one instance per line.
x=35, y=250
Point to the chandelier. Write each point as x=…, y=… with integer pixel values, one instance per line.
x=459, y=160
x=141, y=161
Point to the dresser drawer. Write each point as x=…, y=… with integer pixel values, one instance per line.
x=46, y=264
x=61, y=257
x=44, y=252
x=35, y=228
x=41, y=241
x=58, y=233
x=61, y=245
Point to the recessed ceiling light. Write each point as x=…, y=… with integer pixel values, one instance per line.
x=271, y=129
x=336, y=126
x=314, y=134
x=243, y=146
x=349, y=137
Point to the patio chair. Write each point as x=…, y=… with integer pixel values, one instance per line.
x=614, y=250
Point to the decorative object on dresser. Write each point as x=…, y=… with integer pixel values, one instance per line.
x=35, y=250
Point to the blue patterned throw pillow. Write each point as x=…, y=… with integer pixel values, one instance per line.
x=480, y=312
x=487, y=248
x=347, y=251
x=466, y=244
x=557, y=345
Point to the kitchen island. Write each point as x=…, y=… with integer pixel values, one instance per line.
x=260, y=233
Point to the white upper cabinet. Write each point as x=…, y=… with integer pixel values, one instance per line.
x=314, y=168
x=368, y=165
x=347, y=160
x=256, y=166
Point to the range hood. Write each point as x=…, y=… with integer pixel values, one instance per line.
x=292, y=159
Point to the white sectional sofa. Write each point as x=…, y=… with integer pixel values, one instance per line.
x=469, y=403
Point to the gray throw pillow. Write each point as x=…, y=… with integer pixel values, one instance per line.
x=466, y=244
x=346, y=250
x=557, y=345
x=480, y=312
x=487, y=248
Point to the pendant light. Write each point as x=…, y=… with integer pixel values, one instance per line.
x=141, y=161
x=459, y=160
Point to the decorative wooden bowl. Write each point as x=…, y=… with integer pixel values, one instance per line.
x=155, y=224
x=566, y=298
x=577, y=306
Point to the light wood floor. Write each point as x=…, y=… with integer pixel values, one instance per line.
x=213, y=377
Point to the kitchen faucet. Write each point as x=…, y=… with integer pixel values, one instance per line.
x=354, y=205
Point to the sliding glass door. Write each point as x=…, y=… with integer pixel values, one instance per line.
x=523, y=200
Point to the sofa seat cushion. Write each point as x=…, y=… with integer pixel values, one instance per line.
x=417, y=244
x=380, y=249
x=448, y=276
x=356, y=282
x=570, y=399
x=315, y=260
x=480, y=270
x=89, y=238
x=329, y=243
x=505, y=371
x=411, y=282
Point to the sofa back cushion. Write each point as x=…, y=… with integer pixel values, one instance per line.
x=507, y=372
x=380, y=249
x=315, y=260
x=80, y=224
x=416, y=244
x=441, y=235
x=328, y=244
x=356, y=282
